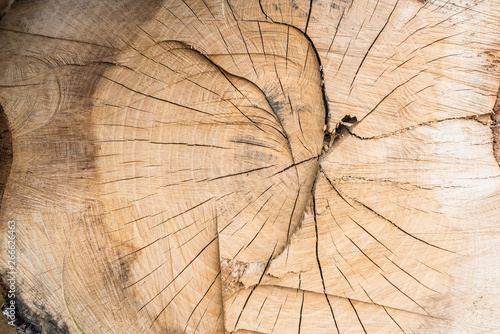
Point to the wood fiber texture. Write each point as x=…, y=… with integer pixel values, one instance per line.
x=252, y=166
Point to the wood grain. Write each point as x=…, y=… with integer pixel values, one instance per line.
x=267, y=166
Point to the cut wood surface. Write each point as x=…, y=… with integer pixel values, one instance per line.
x=252, y=166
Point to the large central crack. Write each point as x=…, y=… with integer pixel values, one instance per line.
x=249, y=275
x=333, y=136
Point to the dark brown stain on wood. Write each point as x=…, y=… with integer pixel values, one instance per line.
x=5, y=151
x=30, y=320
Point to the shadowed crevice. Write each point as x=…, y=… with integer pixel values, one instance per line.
x=495, y=116
x=5, y=151
x=4, y=6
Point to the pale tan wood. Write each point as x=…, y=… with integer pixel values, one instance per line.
x=253, y=166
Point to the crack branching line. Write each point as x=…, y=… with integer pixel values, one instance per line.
x=179, y=274
x=388, y=220
x=319, y=263
x=495, y=117
x=255, y=286
x=357, y=315
x=308, y=16
x=311, y=43
x=475, y=118
x=373, y=43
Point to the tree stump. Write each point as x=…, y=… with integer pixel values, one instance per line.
x=252, y=166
